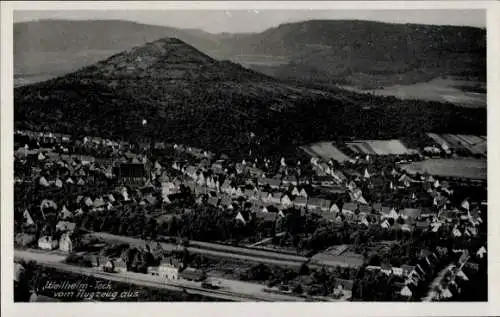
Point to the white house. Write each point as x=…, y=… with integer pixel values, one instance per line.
x=406, y=292
x=47, y=243
x=65, y=243
x=481, y=252
x=43, y=182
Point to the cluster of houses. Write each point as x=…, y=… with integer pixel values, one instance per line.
x=223, y=183
x=249, y=188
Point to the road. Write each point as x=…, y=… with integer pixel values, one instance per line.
x=230, y=289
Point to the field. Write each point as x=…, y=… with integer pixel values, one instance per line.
x=378, y=147
x=460, y=92
x=326, y=151
x=460, y=168
x=471, y=143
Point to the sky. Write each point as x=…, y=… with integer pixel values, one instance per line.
x=241, y=21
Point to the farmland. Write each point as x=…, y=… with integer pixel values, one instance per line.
x=326, y=151
x=459, y=168
x=457, y=91
x=378, y=147
x=460, y=142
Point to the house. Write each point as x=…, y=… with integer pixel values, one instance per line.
x=300, y=202
x=343, y=286
x=385, y=224
x=364, y=209
x=192, y=274
x=410, y=213
x=406, y=292
x=313, y=203
x=338, y=256
x=47, y=243
x=84, y=159
x=58, y=183
x=226, y=187
x=24, y=239
x=406, y=269
x=266, y=216
x=328, y=216
x=456, y=232
x=295, y=192
x=255, y=172
x=65, y=226
x=168, y=269
x=303, y=193
x=43, y=182
x=27, y=218
x=275, y=198
x=243, y=217
x=271, y=182
x=249, y=194
x=263, y=196
x=334, y=209
x=481, y=252
x=117, y=265
x=18, y=270
x=65, y=243
x=225, y=201
x=285, y=201
x=213, y=201
x=131, y=173
x=349, y=208
x=65, y=213
x=99, y=203
x=391, y=214
x=289, y=180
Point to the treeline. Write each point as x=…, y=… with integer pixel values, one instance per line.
x=212, y=117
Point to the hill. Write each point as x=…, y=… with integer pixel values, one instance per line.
x=363, y=54
x=190, y=98
x=48, y=48
x=367, y=54
x=184, y=95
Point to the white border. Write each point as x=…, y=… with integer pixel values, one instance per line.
x=248, y=309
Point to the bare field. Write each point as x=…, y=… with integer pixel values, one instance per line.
x=472, y=143
x=326, y=151
x=379, y=147
x=461, y=168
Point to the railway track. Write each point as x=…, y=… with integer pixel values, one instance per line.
x=143, y=280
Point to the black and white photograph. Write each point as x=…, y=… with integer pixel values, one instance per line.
x=249, y=155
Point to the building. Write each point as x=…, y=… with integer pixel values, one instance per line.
x=115, y=266
x=349, y=208
x=24, y=239
x=168, y=269
x=66, y=226
x=338, y=256
x=192, y=274
x=47, y=243
x=300, y=202
x=65, y=243
x=131, y=173
x=271, y=182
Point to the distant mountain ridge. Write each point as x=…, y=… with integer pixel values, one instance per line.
x=348, y=52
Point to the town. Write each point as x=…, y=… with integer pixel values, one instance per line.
x=364, y=220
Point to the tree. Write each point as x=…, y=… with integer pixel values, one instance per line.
x=298, y=289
